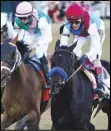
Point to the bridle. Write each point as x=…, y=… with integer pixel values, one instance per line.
x=70, y=75
x=17, y=62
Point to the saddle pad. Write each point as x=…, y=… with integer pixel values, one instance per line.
x=91, y=77
x=37, y=67
x=93, y=80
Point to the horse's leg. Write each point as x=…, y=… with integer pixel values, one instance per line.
x=106, y=109
x=52, y=127
x=91, y=126
x=31, y=117
x=33, y=125
x=109, y=128
x=2, y=109
x=6, y=121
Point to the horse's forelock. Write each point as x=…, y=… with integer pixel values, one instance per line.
x=64, y=58
x=22, y=48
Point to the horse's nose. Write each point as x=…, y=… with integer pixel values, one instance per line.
x=5, y=74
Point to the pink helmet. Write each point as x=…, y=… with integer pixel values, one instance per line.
x=24, y=9
x=74, y=12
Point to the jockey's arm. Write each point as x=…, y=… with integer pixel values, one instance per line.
x=95, y=47
x=46, y=32
x=64, y=36
x=11, y=32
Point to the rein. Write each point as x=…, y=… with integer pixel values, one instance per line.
x=65, y=81
x=73, y=73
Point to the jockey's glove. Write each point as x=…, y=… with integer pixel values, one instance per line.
x=83, y=59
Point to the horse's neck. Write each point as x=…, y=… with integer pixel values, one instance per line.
x=74, y=81
x=19, y=74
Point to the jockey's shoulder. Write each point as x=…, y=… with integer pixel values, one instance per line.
x=37, y=13
x=9, y=25
x=42, y=23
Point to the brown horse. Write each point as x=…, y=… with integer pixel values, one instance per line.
x=23, y=89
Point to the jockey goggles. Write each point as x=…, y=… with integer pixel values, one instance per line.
x=25, y=18
x=75, y=22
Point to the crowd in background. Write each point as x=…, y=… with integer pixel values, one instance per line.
x=56, y=9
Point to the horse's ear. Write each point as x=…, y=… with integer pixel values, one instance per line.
x=57, y=45
x=14, y=41
x=73, y=46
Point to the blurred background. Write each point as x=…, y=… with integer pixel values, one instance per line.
x=56, y=9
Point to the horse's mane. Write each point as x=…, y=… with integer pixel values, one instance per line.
x=22, y=47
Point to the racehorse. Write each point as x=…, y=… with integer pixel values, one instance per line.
x=72, y=93
x=23, y=90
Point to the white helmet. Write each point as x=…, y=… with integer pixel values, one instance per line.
x=3, y=19
x=24, y=9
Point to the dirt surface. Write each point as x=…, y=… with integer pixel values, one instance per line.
x=100, y=121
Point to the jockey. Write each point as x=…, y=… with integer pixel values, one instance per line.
x=7, y=30
x=35, y=24
x=84, y=25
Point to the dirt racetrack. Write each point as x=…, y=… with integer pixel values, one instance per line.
x=100, y=121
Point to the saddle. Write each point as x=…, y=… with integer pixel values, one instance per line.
x=91, y=76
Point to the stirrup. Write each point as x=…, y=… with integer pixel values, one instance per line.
x=99, y=92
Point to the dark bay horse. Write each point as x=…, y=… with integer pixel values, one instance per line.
x=23, y=89
x=72, y=93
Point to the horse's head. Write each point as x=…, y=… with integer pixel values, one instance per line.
x=10, y=59
x=4, y=29
x=63, y=61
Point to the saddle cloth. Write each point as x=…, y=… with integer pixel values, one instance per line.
x=92, y=78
